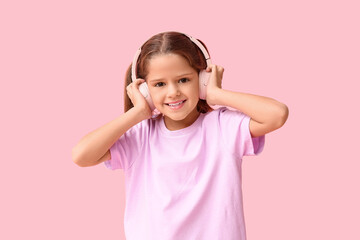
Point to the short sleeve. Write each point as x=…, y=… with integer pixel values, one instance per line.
x=127, y=148
x=235, y=128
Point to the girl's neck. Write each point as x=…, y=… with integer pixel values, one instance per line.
x=173, y=125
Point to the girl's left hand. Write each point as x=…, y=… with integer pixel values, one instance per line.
x=214, y=84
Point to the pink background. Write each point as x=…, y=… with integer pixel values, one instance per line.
x=62, y=64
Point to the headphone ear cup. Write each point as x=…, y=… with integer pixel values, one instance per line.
x=204, y=77
x=144, y=90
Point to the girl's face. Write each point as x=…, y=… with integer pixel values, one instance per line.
x=174, y=88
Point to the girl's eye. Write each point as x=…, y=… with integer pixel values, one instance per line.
x=159, y=84
x=183, y=80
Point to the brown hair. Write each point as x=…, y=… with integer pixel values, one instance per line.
x=165, y=43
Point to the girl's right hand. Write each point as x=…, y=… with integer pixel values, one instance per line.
x=137, y=98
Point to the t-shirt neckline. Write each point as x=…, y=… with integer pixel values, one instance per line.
x=179, y=132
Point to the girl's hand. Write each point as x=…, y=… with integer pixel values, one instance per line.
x=214, y=85
x=137, y=98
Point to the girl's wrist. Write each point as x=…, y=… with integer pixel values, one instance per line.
x=141, y=113
x=214, y=96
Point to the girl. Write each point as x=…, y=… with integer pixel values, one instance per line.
x=181, y=158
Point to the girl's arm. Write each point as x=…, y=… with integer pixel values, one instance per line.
x=94, y=148
x=266, y=113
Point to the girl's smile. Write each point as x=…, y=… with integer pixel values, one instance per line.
x=176, y=105
x=174, y=89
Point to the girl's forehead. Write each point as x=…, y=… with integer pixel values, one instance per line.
x=168, y=65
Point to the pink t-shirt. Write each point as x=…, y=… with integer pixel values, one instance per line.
x=185, y=184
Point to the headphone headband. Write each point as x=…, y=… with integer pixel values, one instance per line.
x=194, y=40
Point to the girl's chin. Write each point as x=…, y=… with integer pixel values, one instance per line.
x=175, y=117
x=177, y=113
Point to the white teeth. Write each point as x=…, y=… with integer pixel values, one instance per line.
x=176, y=104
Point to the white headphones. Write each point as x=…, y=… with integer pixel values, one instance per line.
x=203, y=76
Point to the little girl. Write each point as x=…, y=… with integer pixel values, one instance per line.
x=181, y=158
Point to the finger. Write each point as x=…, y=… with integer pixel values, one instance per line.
x=214, y=69
x=139, y=81
x=128, y=90
x=210, y=67
x=135, y=85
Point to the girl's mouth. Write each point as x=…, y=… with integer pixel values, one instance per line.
x=176, y=105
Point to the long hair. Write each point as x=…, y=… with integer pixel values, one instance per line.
x=166, y=43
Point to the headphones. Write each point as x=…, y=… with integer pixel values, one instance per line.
x=203, y=76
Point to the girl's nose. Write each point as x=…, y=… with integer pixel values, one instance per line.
x=173, y=90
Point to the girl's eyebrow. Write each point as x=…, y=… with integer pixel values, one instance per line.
x=160, y=79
